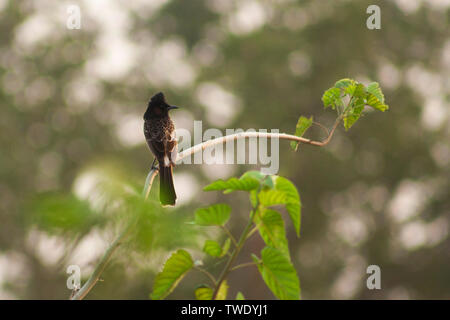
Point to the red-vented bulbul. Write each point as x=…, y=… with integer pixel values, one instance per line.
x=160, y=135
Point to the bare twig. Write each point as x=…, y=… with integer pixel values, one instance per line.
x=327, y=132
x=243, y=265
x=209, y=275
x=229, y=235
x=95, y=276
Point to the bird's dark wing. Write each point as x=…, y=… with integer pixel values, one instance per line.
x=157, y=147
x=154, y=140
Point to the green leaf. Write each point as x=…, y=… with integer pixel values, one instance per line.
x=203, y=292
x=240, y=296
x=285, y=193
x=354, y=114
x=357, y=90
x=271, y=197
x=331, y=97
x=215, y=215
x=344, y=83
x=212, y=248
x=374, y=88
x=223, y=291
x=375, y=103
x=302, y=125
x=258, y=175
x=271, y=228
x=174, y=270
x=225, y=247
x=233, y=184
x=293, y=204
x=254, y=198
x=279, y=274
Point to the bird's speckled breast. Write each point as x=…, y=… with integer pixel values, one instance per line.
x=159, y=129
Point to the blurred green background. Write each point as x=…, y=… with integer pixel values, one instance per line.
x=73, y=157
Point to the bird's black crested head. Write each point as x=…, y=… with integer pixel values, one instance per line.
x=158, y=99
x=158, y=107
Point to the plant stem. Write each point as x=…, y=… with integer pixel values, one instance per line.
x=253, y=231
x=248, y=264
x=235, y=253
x=229, y=235
x=209, y=275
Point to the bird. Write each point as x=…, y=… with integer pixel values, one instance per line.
x=159, y=132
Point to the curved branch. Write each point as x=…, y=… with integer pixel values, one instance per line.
x=242, y=135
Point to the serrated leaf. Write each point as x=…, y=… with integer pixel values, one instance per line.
x=223, y=291
x=374, y=88
x=203, y=293
x=375, y=103
x=215, y=215
x=174, y=270
x=264, y=179
x=240, y=296
x=279, y=274
x=354, y=114
x=293, y=203
x=303, y=124
x=212, y=248
x=271, y=228
x=356, y=90
x=331, y=97
x=258, y=175
x=271, y=197
x=233, y=184
x=284, y=193
x=344, y=83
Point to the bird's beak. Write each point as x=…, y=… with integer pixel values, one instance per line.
x=172, y=107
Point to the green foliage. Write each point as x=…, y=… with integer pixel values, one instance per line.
x=271, y=228
x=212, y=248
x=58, y=213
x=225, y=247
x=358, y=97
x=215, y=215
x=283, y=193
x=279, y=274
x=203, y=292
x=302, y=125
x=174, y=270
x=275, y=266
x=332, y=98
x=223, y=291
x=240, y=296
x=245, y=183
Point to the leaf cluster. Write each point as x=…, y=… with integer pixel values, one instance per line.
x=266, y=194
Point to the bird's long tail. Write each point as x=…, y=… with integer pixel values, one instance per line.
x=167, y=195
